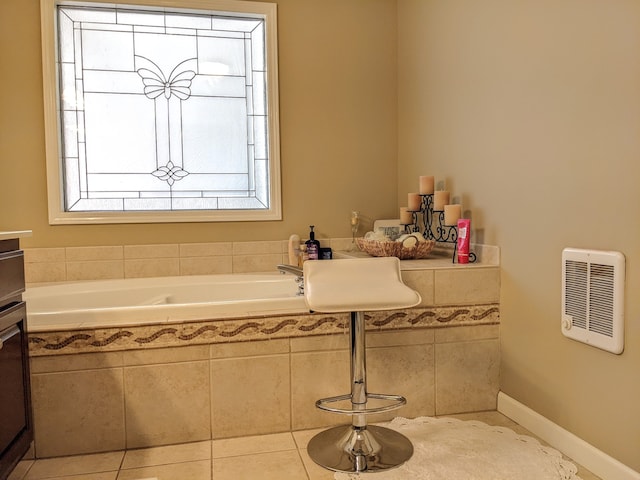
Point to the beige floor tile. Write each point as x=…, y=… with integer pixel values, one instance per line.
x=185, y=452
x=76, y=465
x=265, y=466
x=280, y=456
x=315, y=471
x=233, y=447
x=199, y=470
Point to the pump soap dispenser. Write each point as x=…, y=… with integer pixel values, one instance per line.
x=313, y=245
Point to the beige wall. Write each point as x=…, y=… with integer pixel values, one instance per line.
x=337, y=111
x=531, y=112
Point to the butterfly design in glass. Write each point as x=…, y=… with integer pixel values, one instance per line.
x=156, y=83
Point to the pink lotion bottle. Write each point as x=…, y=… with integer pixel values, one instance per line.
x=464, y=232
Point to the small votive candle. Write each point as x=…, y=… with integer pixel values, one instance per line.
x=414, y=202
x=440, y=199
x=452, y=214
x=426, y=185
x=406, y=217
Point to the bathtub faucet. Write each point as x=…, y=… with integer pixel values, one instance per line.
x=293, y=270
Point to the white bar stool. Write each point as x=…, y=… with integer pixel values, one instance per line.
x=356, y=286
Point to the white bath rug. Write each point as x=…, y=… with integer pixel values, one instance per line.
x=451, y=449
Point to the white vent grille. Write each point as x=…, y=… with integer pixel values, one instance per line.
x=593, y=298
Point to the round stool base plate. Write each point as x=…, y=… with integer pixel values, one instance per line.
x=353, y=449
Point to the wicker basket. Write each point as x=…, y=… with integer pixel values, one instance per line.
x=377, y=248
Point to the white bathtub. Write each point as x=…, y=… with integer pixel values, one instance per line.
x=109, y=303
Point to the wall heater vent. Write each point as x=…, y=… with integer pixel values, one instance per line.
x=593, y=298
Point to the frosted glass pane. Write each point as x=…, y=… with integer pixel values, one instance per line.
x=120, y=133
x=100, y=205
x=145, y=29
x=80, y=125
x=71, y=180
x=165, y=51
x=70, y=144
x=215, y=143
x=213, y=181
x=195, y=203
x=148, y=204
x=235, y=24
x=104, y=50
x=141, y=18
x=217, y=85
x=262, y=181
x=113, y=194
x=103, y=182
x=259, y=108
x=90, y=14
x=82, y=170
x=221, y=56
x=107, y=26
x=65, y=27
x=220, y=34
x=156, y=194
x=257, y=51
x=242, y=203
x=112, y=82
x=260, y=126
x=79, y=94
x=188, y=21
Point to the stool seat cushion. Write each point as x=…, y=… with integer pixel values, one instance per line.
x=359, y=284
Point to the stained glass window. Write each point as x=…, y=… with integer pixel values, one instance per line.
x=163, y=111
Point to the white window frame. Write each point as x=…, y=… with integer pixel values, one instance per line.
x=57, y=213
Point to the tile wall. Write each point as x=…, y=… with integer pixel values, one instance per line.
x=135, y=261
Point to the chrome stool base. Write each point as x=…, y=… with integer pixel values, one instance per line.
x=352, y=449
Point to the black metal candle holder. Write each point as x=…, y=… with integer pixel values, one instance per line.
x=434, y=227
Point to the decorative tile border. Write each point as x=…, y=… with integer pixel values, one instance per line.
x=248, y=329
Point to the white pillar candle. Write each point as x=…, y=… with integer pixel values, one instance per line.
x=414, y=202
x=426, y=185
x=406, y=217
x=440, y=199
x=452, y=214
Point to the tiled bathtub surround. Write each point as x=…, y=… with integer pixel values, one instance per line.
x=107, y=389
x=93, y=402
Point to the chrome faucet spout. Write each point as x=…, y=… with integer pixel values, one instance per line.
x=293, y=270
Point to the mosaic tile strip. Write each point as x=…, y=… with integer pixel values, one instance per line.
x=247, y=329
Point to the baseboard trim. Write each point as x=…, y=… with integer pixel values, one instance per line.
x=593, y=459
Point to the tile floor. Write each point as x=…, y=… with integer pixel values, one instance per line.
x=280, y=456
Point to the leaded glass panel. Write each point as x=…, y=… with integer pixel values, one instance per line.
x=162, y=110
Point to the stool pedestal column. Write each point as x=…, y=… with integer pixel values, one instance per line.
x=359, y=447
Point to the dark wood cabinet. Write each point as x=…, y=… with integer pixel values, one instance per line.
x=16, y=425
